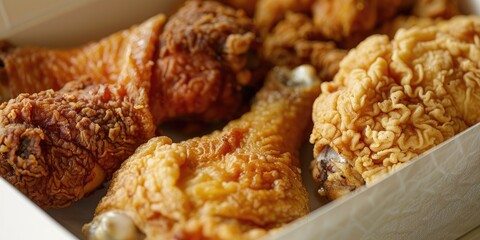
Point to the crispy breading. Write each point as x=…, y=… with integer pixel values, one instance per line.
x=238, y=183
x=296, y=40
x=436, y=8
x=269, y=12
x=247, y=5
x=390, y=28
x=339, y=20
x=203, y=65
x=57, y=146
x=393, y=100
x=200, y=68
x=32, y=69
x=323, y=37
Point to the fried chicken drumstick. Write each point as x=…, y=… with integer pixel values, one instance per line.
x=200, y=63
x=392, y=100
x=57, y=146
x=237, y=183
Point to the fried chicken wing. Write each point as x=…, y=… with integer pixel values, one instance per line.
x=392, y=100
x=57, y=146
x=201, y=65
x=238, y=183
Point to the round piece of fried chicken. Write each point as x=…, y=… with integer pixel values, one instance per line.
x=392, y=100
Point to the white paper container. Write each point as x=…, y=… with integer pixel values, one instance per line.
x=437, y=196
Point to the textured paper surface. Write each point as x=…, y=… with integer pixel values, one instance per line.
x=437, y=196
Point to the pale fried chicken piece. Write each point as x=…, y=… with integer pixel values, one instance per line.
x=57, y=147
x=296, y=40
x=202, y=64
x=393, y=100
x=238, y=183
x=201, y=70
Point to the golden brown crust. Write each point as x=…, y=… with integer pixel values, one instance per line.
x=31, y=70
x=200, y=36
x=296, y=40
x=202, y=63
x=340, y=20
x=238, y=183
x=322, y=31
x=247, y=5
x=269, y=12
x=436, y=8
x=393, y=100
x=201, y=68
x=53, y=143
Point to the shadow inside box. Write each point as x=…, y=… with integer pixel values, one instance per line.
x=81, y=212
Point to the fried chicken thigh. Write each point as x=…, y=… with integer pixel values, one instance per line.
x=58, y=146
x=238, y=183
x=200, y=64
x=392, y=100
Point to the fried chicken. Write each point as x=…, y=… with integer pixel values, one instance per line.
x=393, y=100
x=238, y=183
x=436, y=8
x=324, y=38
x=204, y=63
x=270, y=12
x=31, y=70
x=341, y=19
x=295, y=41
x=202, y=66
x=57, y=147
x=390, y=28
x=247, y=5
